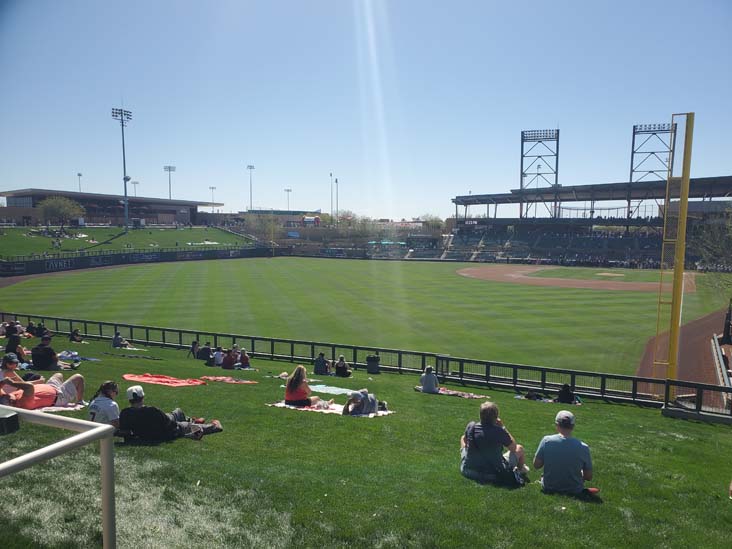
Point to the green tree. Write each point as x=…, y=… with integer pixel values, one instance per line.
x=59, y=209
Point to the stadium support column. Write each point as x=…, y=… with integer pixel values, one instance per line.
x=649, y=160
x=539, y=163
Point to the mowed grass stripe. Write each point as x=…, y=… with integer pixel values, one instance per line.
x=418, y=306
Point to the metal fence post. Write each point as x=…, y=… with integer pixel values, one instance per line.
x=106, y=454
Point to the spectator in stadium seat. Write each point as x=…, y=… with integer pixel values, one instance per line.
x=341, y=367
x=45, y=358
x=566, y=460
x=297, y=390
x=428, y=382
x=481, y=450
x=38, y=393
x=103, y=408
x=321, y=366
x=151, y=424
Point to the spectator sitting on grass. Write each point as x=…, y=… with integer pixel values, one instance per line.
x=38, y=393
x=45, y=358
x=566, y=396
x=229, y=361
x=481, y=450
x=428, y=382
x=341, y=367
x=218, y=357
x=31, y=328
x=119, y=342
x=151, y=424
x=205, y=353
x=566, y=460
x=321, y=366
x=297, y=390
x=361, y=403
x=14, y=346
x=75, y=336
x=244, y=360
x=103, y=408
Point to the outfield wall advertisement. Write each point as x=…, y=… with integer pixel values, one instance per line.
x=50, y=265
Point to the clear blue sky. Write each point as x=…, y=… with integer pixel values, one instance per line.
x=407, y=102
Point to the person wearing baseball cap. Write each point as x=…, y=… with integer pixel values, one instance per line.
x=566, y=460
x=151, y=424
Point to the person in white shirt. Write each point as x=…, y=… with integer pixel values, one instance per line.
x=218, y=356
x=103, y=408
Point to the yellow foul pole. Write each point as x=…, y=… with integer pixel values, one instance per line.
x=680, y=249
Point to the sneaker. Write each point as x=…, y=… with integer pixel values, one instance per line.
x=216, y=423
x=383, y=406
x=82, y=402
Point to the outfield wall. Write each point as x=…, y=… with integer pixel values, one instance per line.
x=70, y=262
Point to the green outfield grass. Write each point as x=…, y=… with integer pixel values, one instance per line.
x=17, y=241
x=584, y=273
x=282, y=478
x=417, y=306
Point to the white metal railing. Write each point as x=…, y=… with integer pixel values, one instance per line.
x=88, y=432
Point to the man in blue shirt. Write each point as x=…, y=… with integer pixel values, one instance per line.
x=566, y=460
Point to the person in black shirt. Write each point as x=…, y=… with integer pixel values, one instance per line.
x=205, y=353
x=151, y=424
x=45, y=358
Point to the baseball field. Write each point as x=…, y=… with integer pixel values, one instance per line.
x=284, y=478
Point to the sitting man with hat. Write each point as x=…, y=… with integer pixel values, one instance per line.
x=45, y=358
x=151, y=424
x=37, y=393
x=566, y=460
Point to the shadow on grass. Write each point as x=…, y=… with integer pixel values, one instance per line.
x=584, y=496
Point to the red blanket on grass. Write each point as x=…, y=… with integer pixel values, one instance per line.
x=229, y=379
x=163, y=380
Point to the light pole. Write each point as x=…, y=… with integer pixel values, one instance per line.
x=250, y=167
x=169, y=169
x=336, y=181
x=288, y=191
x=135, y=184
x=331, y=197
x=79, y=176
x=124, y=116
x=212, y=198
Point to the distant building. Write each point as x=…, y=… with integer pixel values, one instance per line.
x=103, y=208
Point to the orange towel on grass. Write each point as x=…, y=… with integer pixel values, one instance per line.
x=158, y=379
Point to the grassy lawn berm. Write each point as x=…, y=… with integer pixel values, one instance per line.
x=282, y=478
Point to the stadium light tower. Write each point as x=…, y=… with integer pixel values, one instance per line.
x=288, y=190
x=337, y=211
x=250, y=167
x=124, y=116
x=169, y=169
x=212, y=198
x=134, y=185
x=79, y=176
x=331, y=197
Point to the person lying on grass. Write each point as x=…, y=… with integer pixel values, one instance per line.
x=151, y=424
x=361, y=403
x=38, y=393
x=297, y=390
x=481, y=450
x=428, y=382
x=103, y=408
x=566, y=460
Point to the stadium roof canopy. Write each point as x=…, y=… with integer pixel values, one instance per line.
x=74, y=195
x=699, y=187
